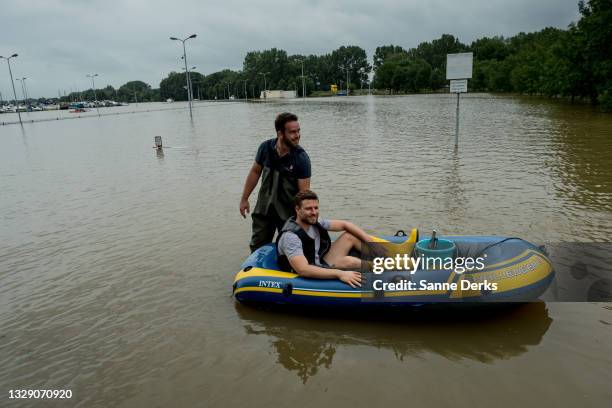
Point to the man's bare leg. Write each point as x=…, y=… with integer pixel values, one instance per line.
x=338, y=254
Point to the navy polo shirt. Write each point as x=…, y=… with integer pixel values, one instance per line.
x=295, y=164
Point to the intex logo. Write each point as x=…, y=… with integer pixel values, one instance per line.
x=270, y=284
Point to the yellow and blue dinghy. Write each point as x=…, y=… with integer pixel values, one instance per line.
x=512, y=270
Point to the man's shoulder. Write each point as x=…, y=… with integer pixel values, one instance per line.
x=267, y=143
x=289, y=236
x=302, y=164
x=299, y=150
x=263, y=152
x=301, y=157
x=289, y=243
x=325, y=223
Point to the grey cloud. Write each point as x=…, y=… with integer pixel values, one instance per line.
x=59, y=42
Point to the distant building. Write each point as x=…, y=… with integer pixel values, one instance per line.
x=277, y=94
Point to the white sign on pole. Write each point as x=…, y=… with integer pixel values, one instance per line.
x=458, y=86
x=458, y=70
x=459, y=66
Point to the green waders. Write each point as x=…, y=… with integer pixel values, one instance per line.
x=274, y=205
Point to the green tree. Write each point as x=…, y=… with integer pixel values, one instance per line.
x=434, y=53
x=490, y=48
x=499, y=75
x=273, y=62
x=535, y=62
x=172, y=87
x=594, y=38
x=215, y=85
x=401, y=72
x=384, y=52
x=351, y=58
x=133, y=91
x=383, y=79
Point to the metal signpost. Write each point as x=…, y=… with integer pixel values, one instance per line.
x=458, y=71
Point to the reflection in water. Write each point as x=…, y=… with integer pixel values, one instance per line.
x=303, y=353
x=160, y=154
x=24, y=140
x=480, y=335
x=455, y=198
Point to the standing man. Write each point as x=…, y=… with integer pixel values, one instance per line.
x=285, y=167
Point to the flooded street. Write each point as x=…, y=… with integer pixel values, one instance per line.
x=116, y=261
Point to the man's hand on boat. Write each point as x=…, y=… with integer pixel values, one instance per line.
x=300, y=265
x=351, y=278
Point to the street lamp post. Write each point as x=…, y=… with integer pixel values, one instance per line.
x=25, y=86
x=245, y=90
x=24, y=89
x=186, y=69
x=315, y=80
x=198, y=84
x=190, y=86
x=346, y=68
x=13, y=84
x=361, y=73
x=93, y=85
x=23, y=93
x=265, y=86
x=303, y=83
x=348, y=85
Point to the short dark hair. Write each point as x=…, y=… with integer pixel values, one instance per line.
x=282, y=118
x=305, y=195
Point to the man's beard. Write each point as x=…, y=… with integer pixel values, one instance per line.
x=307, y=221
x=288, y=144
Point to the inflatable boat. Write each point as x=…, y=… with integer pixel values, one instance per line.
x=507, y=269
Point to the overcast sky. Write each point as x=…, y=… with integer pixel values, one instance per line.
x=60, y=41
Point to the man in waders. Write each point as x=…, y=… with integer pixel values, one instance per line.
x=284, y=168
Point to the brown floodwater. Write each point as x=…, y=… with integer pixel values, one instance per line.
x=116, y=261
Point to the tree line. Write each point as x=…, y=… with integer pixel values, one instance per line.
x=132, y=91
x=572, y=63
x=275, y=69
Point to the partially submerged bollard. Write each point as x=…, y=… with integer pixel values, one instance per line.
x=158, y=142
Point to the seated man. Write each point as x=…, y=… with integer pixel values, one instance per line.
x=305, y=247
